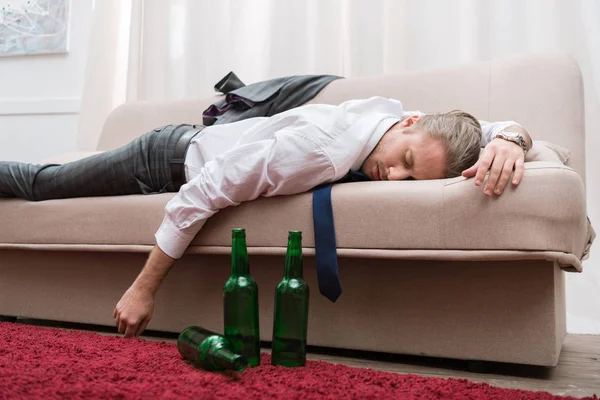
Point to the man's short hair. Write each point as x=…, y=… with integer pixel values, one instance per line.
x=461, y=134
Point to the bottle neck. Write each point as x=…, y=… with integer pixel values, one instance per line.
x=225, y=358
x=239, y=257
x=293, y=257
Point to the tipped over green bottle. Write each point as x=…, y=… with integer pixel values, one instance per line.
x=209, y=351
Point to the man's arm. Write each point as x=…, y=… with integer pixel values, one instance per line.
x=523, y=132
x=490, y=130
x=289, y=164
x=500, y=157
x=134, y=311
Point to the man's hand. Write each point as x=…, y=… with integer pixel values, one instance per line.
x=134, y=311
x=500, y=157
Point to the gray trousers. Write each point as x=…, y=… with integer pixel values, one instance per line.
x=142, y=166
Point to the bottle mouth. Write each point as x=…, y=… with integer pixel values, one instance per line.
x=240, y=363
x=229, y=360
x=238, y=233
x=294, y=234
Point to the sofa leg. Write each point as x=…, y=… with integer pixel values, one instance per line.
x=4, y=318
x=478, y=367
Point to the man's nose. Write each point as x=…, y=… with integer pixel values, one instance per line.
x=397, y=174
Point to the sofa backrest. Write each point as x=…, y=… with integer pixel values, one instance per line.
x=544, y=93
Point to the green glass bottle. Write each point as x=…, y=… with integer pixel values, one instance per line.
x=209, y=350
x=240, y=303
x=290, y=323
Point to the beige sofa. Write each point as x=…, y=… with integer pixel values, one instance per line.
x=428, y=267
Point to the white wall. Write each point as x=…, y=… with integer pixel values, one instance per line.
x=40, y=96
x=583, y=290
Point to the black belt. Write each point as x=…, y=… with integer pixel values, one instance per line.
x=178, y=158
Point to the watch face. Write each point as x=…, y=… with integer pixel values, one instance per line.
x=511, y=134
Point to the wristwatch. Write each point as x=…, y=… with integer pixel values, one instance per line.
x=514, y=137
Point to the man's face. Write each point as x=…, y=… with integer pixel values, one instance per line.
x=405, y=154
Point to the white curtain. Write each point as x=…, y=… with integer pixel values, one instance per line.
x=171, y=49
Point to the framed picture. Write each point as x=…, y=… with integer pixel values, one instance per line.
x=34, y=27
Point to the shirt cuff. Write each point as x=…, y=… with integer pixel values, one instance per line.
x=171, y=240
x=500, y=127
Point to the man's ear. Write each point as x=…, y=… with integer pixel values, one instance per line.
x=409, y=121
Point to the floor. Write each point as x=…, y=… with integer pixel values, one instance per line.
x=577, y=373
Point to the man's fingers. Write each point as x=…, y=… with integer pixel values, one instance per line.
x=495, y=172
x=484, y=164
x=131, y=329
x=507, y=170
x=117, y=320
x=122, y=326
x=469, y=172
x=519, y=169
x=142, y=327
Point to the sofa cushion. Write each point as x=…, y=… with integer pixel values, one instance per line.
x=546, y=151
x=545, y=213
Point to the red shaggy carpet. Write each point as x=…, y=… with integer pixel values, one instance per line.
x=48, y=363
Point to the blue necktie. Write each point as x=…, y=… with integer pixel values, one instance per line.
x=325, y=245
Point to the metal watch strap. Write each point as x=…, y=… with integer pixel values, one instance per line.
x=517, y=138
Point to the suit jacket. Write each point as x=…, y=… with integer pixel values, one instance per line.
x=262, y=99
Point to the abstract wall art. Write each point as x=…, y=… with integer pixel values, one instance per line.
x=33, y=27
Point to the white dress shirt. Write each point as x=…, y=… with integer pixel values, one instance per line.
x=286, y=154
